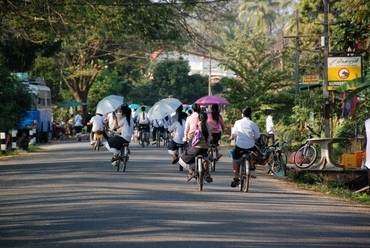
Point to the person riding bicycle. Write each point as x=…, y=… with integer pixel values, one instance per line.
x=192, y=120
x=177, y=129
x=246, y=132
x=97, y=123
x=188, y=158
x=216, y=121
x=158, y=124
x=144, y=122
x=127, y=128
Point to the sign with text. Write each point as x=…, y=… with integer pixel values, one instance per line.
x=342, y=69
x=310, y=79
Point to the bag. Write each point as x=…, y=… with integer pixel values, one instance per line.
x=197, y=136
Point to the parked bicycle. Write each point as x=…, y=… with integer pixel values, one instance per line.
x=124, y=156
x=307, y=153
x=277, y=159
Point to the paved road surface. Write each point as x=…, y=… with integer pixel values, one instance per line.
x=69, y=196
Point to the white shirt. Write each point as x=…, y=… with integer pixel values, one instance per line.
x=142, y=120
x=269, y=125
x=126, y=130
x=367, y=130
x=78, y=120
x=111, y=121
x=97, y=122
x=157, y=123
x=246, y=132
x=178, y=130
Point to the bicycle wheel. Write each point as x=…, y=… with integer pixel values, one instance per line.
x=158, y=138
x=118, y=162
x=142, y=139
x=270, y=160
x=277, y=164
x=247, y=175
x=241, y=176
x=305, y=156
x=97, y=145
x=200, y=173
x=124, y=163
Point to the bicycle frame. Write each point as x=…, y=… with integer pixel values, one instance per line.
x=199, y=170
x=124, y=155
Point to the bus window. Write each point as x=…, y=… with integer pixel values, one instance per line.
x=34, y=102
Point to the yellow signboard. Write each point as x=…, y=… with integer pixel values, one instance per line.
x=342, y=69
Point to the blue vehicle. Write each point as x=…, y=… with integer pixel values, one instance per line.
x=39, y=117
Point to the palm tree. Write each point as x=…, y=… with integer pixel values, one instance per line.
x=260, y=14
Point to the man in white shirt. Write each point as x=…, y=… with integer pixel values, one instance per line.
x=97, y=123
x=144, y=121
x=246, y=132
x=270, y=129
x=78, y=125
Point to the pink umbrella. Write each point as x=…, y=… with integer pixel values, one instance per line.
x=209, y=100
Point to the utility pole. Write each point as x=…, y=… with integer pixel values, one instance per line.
x=296, y=74
x=210, y=76
x=325, y=92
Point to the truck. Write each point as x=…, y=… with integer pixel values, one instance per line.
x=39, y=117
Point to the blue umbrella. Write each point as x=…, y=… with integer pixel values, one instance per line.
x=134, y=106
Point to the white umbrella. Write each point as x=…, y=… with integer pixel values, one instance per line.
x=109, y=104
x=163, y=108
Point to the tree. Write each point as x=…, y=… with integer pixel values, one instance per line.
x=259, y=72
x=171, y=78
x=12, y=111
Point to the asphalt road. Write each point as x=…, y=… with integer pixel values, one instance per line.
x=70, y=196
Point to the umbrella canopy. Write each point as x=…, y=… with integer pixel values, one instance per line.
x=164, y=108
x=71, y=104
x=209, y=100
x=139, y=111
x=134, y=106
x=109, y=104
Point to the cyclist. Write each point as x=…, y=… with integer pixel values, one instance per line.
x=216, y=121
x=177, y=128
x=188, y=158
x=246, y=132
x=127, y=128
x=192, y=120
x=158, y=124
x=144, y=122
x=97, y=123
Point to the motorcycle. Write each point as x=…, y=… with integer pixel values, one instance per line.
x=58, y=131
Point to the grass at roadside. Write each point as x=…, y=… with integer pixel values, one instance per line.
x=17, y=152
x=316, y=184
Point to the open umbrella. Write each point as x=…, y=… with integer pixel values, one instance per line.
x=139, y=111
x=109, y=104
x=71, y=104
x=209, y=100
x=134, y=106
x=163, y=108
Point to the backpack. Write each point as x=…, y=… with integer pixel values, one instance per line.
x=197, y=136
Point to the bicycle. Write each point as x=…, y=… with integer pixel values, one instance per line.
x=245, y=171
x=199, y=173
x=142, y=136
x=277, y=159
x=97, y=140
x=180, y=150
x=306, y=154
x=123, y=157
x=212, y=153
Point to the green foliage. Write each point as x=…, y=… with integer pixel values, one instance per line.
x=171, y=78
x=15, y=100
